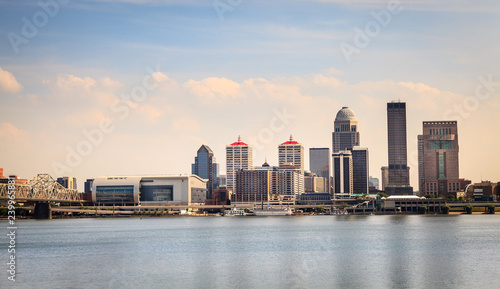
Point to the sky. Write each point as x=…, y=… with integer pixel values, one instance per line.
x=135, y=87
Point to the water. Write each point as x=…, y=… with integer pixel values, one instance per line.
x=258, y=252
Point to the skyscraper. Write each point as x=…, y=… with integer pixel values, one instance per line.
x=67, y=182
x=319, y=163
x=345, y=135
x=206, y=167
x=291, y=153
x=342, y=174
x=399, y=183
x=360, y=170
x=238, y=156
x=438, y=151
x=385, y=177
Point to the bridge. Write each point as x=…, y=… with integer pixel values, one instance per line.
x=42, y=190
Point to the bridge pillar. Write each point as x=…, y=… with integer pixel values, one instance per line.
x=43, y=211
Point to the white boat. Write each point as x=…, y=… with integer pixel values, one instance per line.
x=270, y=211
x=234, y=212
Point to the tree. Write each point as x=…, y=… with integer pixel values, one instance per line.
x=422, y=209
x=461, y=199
x=491, y=209
x=468, y=209
x=383, y=195
x=445, y=209
x=320, y=209
x=429, y=196
x=451, y=198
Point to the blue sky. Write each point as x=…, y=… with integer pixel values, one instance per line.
x=221, y=78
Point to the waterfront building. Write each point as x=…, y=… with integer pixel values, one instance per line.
x=438, y=159
x=149, y=190
x=252, y=186
x=289, y=185
x=315, y=184
x=360, y=170
x=345, y=135
x=399, y=181
x=67, y=182
x=319, y=163
x=484, y=191
x=291, y=152
x=205, y=167
x=219, y=197
x=88, y=185
x=342, y=174
x=238, y=156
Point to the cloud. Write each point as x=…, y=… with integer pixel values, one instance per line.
x=71, y=82
x=8, y=82
x=186, y=124
x=149, y=112
x=10, y=133
x=214, y=88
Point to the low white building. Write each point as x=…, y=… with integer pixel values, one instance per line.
x=149, y=190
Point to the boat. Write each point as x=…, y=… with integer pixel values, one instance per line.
x=270, y=211
x=234, y=212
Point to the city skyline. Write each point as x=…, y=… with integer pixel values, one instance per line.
x=264, y=71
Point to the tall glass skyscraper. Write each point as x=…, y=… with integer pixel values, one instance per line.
x=319, y=163
x=399, y=181
x=206, y=168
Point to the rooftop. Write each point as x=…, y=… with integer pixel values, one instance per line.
x=345, y=114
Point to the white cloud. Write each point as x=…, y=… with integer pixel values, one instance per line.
x=8, y=82
x=186, y=124
x=10, y=133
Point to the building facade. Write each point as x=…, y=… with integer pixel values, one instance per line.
x=291, y=153
x=438, y=159
x=67, y=182
x=399, y=179
x=345, y=135
x=320, y=164
x=205, y=167
x=385, y=177
x=252, y=186
x=342, y=174
x=360, y=170
x=238, y=156
x=149, y=190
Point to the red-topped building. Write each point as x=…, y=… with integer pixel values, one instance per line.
x=291, y=153
x=238, y=156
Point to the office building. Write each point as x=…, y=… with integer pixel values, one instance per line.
x=88, y=185
x=360, y=170
x=438, y=159
x=291, y=153
x=399, y=181
x=319, y=163
x=345, y=135
x=149, y=190
x=374, y=182
x=342, y=174
x=206, y=167
x=238, y=156
x=252, y=186
x=67, y=182
x=385, y=177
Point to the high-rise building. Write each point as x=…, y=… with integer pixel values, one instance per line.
x=289, y=184
x=67, y=182
x=345, y=135
x=88, y=185
x=238, y=156
x=252, y=186
x=438, y=151
x=319, y=163
x=385, y=177
x=342, y=174
x=360, y=170
x=399, y=181
x=291, y=153
x=206, y=167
